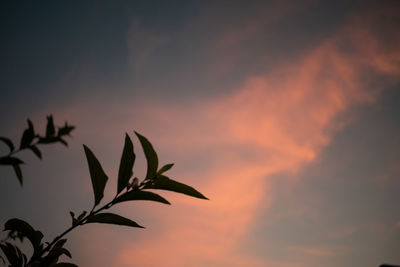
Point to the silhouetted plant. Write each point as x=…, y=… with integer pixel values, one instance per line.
x=30, y=140
x=128, y=189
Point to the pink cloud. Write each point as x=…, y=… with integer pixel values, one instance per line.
x=273, y=123
x=276, y=122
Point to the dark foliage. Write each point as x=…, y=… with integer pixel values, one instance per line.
x=129, y=189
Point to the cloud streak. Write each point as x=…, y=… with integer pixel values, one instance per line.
x=229, y=147
x=275, y=122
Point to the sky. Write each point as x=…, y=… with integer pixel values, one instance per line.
x=282, y=113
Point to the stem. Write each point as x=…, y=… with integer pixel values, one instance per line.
x=79, y=223
x=84, y=220
x=20, y=149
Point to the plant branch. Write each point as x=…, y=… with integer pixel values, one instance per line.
x=78, y=223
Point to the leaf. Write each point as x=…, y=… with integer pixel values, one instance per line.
x=134, y=184
x=60, y=243
x=8, y=142
x=19, y=228
x=74, y=220
x=126, y=164
x=151, y=156
x=50, y=130
x=112, y=218
x=18, y=172
x=165, y=168
x=99, y=178
x=164, y=183
x=48, y=140
x=13, y=254
x=36, y=151
x=58, y=251
x=141, y=195
x=62, y=141
x=65, y=264
x=66, y=130
x=27, y=136
x=80, y=217
x=7, y=160
x=15, y=162
x=53, y=256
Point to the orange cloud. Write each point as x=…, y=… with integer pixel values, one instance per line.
x=273, y=123
x=276, y=122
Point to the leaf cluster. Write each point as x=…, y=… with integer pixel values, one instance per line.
x=30, y=140
x=19, y=229
x=129, y=188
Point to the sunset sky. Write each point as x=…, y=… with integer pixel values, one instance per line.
x=283, y=113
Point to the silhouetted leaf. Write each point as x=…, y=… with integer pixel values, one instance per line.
x=13, y=254
x=60, y=243
x=27, y=136
x=50, y=130
x=134, y=184
x=66, y=130
x=19, y=228
x=18, y=172
x=48, y=140
x=8, y=142
x=165, y=168
x=65, y=264
x=151, y=156
x=126, y=164
x=74, y=220
x=62, y=141
x=97, y=175
x=14, y=162
x=164, y=183
x=82, y=215
x=112, y=218
x=36, y=150
x=140, y=195
x=56, y=252
x=3, y=260
x=7, y=160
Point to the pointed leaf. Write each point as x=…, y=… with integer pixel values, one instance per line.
x=14, y=255
x=62, y=141
x=21, y=229
x=165, y=168
x=14, y=162
x=164, y=183
x=48, y=139
x=141, y=195
x=18, y=172
x=8, y=142
x=36, y=151
x=10, y=160
x=27, y=136
x=97, y=175
x=74, y=220
x=126, y=164
x=58, y=251
x=66, y=130
x=112, y=218
x=50, y=130
x=151, y=156
x=134, y=184
x=80, y=217
x=60, y=243
x=53, y=256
